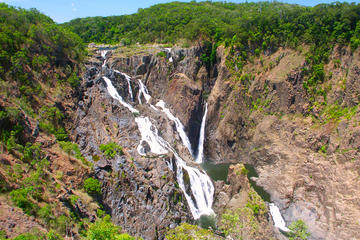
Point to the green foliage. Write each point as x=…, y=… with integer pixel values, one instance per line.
x=92, y=186
x=45, y=213
x=189, y=232
x=28, y=236
x=21, y=199
x=31, y=41
x=111, y=149
x=161, y=54
x=72, y=149
x=74, y=80
x=74, y=199
x=104, y=229
x=32, y=153
x=299, y=230
x=335, y=112
x=256, y=204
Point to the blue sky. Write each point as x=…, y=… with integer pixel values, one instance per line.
x=65, y=10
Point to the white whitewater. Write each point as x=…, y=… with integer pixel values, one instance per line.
x=200, y=184
x=200, y=153
x=127, y=77
x=278, y=219
x=150, y=135
x=114, y=94
x=104, y=64
x=179, y=126
x=103, y=53
x=143, y=91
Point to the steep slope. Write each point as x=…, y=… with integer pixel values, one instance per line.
x=303, y=145
x=45, y=182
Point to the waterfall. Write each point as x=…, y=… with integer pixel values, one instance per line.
x=113, y=93
x=143, y=91
x=202, y=189
x=150, y=135
x=103, y=53
x=128, y=81
x=200, y=152
x=179, y=127
x=278, y=219
x=200, y=184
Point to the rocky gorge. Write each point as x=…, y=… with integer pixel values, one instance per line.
x=261, y=120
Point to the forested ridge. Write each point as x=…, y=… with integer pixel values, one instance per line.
x=253, y=25
x=247, y=29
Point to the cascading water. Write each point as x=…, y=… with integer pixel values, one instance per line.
x=143, y=91
x=178, y=124
x=201, y=186
x=103, y=55
x=150, y=135
x=278, y=219
x=128, y=81
x=113, y=93
x=200, y=152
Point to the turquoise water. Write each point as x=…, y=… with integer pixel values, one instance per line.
x=220, y=171
x=260, y=190
x=216, y=171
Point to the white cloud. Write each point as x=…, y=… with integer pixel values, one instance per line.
x=73, y=7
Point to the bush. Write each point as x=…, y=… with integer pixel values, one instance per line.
x=299, y=230
x=28, y=236
x=21, y=198
x=111, y=149
x=104, y=229
x=45, y=213
x=74, y=80
x=187, y=231
x=161, y=54
x=92, y=186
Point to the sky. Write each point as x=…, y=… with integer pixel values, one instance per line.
x=65, y=10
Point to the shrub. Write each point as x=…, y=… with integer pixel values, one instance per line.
x=299, y=230
x=188, y=231
x=21, y=198
x=28, y=236
x=104, y=229
x=45, y=213
x=161, y=54
x=111, y=149
x=92, y=186
x=74, y=80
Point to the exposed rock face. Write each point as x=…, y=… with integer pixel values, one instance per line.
x=175, y=82
x=309, y=168
x=140, y=192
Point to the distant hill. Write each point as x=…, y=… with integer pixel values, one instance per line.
x=257, y=25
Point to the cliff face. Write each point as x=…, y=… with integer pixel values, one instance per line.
x=305, y=154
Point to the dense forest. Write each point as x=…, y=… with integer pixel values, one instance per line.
x=260, y=25
x=248, y=29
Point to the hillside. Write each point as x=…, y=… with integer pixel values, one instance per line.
x=46, y=188
x=105, y=140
